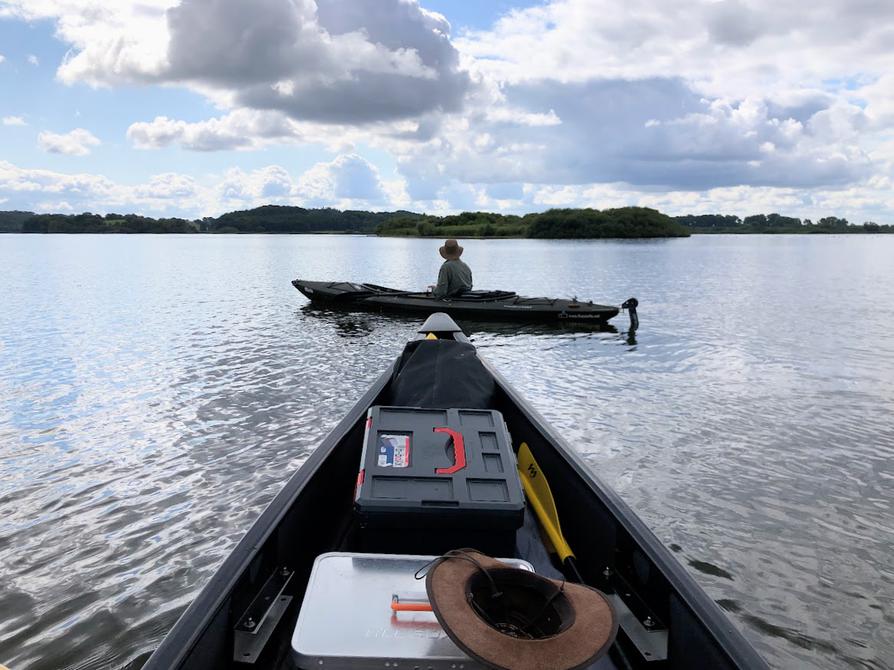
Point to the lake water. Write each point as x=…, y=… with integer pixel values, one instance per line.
x=156, y=392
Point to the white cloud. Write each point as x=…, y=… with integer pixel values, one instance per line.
x=122, y=40
x=271, y=184
x=167, y=186
x=729, y=47
x=546, y=108
x=503, y=114
x=652, y=132
x=684, y=96
x=241, y=129
x=14, y=121
x=348, y=181
x=50, y=191
x=28, y=186
x=54, y=207
x=2, y=58
x=337, y=61
x=33, y=60
x=554, y=100
x=347, y=178
x=74, y=143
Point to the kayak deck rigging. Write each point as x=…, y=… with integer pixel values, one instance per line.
x=483, y=296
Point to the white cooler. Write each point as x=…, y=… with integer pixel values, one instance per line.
x=346, y=621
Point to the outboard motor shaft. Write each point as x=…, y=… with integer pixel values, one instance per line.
x=630, y=305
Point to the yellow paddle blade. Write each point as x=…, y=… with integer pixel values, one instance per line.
x=541, y=499
x=431, y=336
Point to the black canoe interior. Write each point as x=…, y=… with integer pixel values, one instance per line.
x=313, y=515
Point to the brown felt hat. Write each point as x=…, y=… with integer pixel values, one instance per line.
x=512, y=619
x=451, y=250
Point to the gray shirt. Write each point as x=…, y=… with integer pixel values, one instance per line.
x=454, y=278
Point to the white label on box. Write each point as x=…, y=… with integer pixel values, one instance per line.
x=393, y=451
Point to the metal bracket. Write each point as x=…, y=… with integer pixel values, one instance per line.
x=257, y=623
x=649, y=637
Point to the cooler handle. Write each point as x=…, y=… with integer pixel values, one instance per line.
x=459, y=452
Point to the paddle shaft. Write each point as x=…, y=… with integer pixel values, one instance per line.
x=571, y=571
x=541, y=498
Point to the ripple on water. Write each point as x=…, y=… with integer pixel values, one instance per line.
x=156, y=391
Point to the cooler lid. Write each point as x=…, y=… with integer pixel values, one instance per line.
x=346, y=620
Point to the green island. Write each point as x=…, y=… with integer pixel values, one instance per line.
x=582, y=223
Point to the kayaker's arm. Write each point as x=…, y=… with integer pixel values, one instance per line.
x=440, y=290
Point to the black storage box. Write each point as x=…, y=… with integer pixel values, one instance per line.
x=433, y=480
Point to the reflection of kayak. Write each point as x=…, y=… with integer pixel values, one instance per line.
x=249, y=609
x=480, y=305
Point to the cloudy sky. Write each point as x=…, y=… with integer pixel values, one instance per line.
x=196, y=107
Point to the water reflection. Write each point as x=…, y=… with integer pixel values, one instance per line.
x=157, y=391
x=349, y=323
x=346, y=324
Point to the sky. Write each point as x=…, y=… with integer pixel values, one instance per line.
x=197, y=107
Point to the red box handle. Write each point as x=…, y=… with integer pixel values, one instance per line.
x=459, y=452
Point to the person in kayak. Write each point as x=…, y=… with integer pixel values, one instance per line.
x=455, y=277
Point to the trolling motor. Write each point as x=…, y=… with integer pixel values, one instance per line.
x=630, y=305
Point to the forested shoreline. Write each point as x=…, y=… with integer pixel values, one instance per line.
x=580, y=223
x=624, y=222
x=776, y=224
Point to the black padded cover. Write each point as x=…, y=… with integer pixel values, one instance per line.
x=439, y=374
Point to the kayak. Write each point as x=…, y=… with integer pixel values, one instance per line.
x=475, y=305
x=251, y=612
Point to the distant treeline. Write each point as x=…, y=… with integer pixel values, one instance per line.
x=278, y=219
x=11, y=222
x=467, y=224
x=623, y=222
x=110, y=223
x=268, y=219
x=775, y=223
x=556, y=223
x=630, y=222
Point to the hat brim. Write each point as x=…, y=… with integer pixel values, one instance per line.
x=589, y=636
x=448, y=256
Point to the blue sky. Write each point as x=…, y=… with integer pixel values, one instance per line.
x=174, y=107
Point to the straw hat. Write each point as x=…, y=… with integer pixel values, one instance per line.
x=451, y=250
x=513, y=619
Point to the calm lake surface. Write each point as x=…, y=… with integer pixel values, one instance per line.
x=156, y=393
